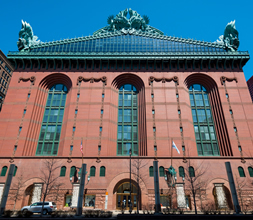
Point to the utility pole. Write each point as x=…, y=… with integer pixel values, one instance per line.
x=79, y=209
x=6, y=188
x=156, y=184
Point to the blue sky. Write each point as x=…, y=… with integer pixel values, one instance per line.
x=61, y=19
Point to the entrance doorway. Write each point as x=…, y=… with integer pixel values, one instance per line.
x=27, y=199
x=123, y=196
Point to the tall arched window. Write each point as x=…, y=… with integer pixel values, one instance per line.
x=63, y=171
x=102, y=171
x=93, y=171
x=191, y=172
x=127, y=121
x=241, y=172
x=250, y=169
x=161, y=171
x=151, y=171
x=52, y=121
x=72, y=171
x=15, y=171
x=203, y=122
x=181, y=171
x=4, y=170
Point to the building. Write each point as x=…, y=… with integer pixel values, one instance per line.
x=128, y=86
x=250, y=85
x=6, y=71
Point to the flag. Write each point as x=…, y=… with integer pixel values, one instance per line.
x=81, y=147
x=174, y=146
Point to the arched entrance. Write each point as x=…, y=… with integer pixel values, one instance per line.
x=28, y=195
x=228, y=197
x=229, y=203
x=123, y=196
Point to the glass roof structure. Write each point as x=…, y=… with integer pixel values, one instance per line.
x=127, y=44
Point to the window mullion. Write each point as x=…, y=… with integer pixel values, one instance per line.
x=200, y=136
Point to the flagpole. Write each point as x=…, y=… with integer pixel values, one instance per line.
x=82, y=151
x=171, y=149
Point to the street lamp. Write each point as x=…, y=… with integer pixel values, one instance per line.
x=130, y=205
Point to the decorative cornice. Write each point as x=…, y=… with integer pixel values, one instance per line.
x=163, y=79
x=224, y=78
x=92, y=79
x=31, y=79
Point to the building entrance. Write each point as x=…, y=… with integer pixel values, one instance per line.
x=123, y=196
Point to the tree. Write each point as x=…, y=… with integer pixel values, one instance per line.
x=137, y=166
x=195, y=177
x=241, y=183
x=49, y=177
x=16, y=193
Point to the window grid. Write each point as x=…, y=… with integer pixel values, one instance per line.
x=52, y=121
x=181, y=172
x=206, y=140
x=102, y=171
x=127, y=121
x=241, y=172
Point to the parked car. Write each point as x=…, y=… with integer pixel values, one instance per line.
x=36, y=207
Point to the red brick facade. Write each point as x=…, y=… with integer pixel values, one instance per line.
x=88, y=120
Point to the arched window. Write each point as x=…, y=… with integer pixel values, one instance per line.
x=15, y=171
x=72, y=171
x=206, y=139
x=102, y=171
x=241, y=172
x=52, y=122
x=127, y=121
x=151, y=171
x=92, y=171
x=63, y=171
x=181, y=172
x=161, y=171
x=250, y=169
x=4, y=170
x=191, y=172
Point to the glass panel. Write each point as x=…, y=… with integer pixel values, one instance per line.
x=51, y=126
x=127, y=121
x=203, y=122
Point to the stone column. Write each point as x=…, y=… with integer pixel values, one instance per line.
x=75, y=193
x=181, y=203
x=1, y=191
x=37, y=188
x=220, y=195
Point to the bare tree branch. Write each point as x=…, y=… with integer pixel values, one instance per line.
x=49, y=177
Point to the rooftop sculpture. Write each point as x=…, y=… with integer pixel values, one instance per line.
x=26, y=37
x=230, y=38
x=135, y=23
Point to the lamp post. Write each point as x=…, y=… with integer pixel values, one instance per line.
x=130, y=205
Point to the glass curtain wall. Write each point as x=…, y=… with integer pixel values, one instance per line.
x=203, y=122
x=52, y=121
x=127, y=121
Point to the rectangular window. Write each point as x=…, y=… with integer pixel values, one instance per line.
x=76, y=111
x=24, y=111
x=100, y=129
x=74, y=129
x=20, y=128
x=89, y=201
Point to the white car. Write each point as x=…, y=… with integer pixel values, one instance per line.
x=36, y=207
